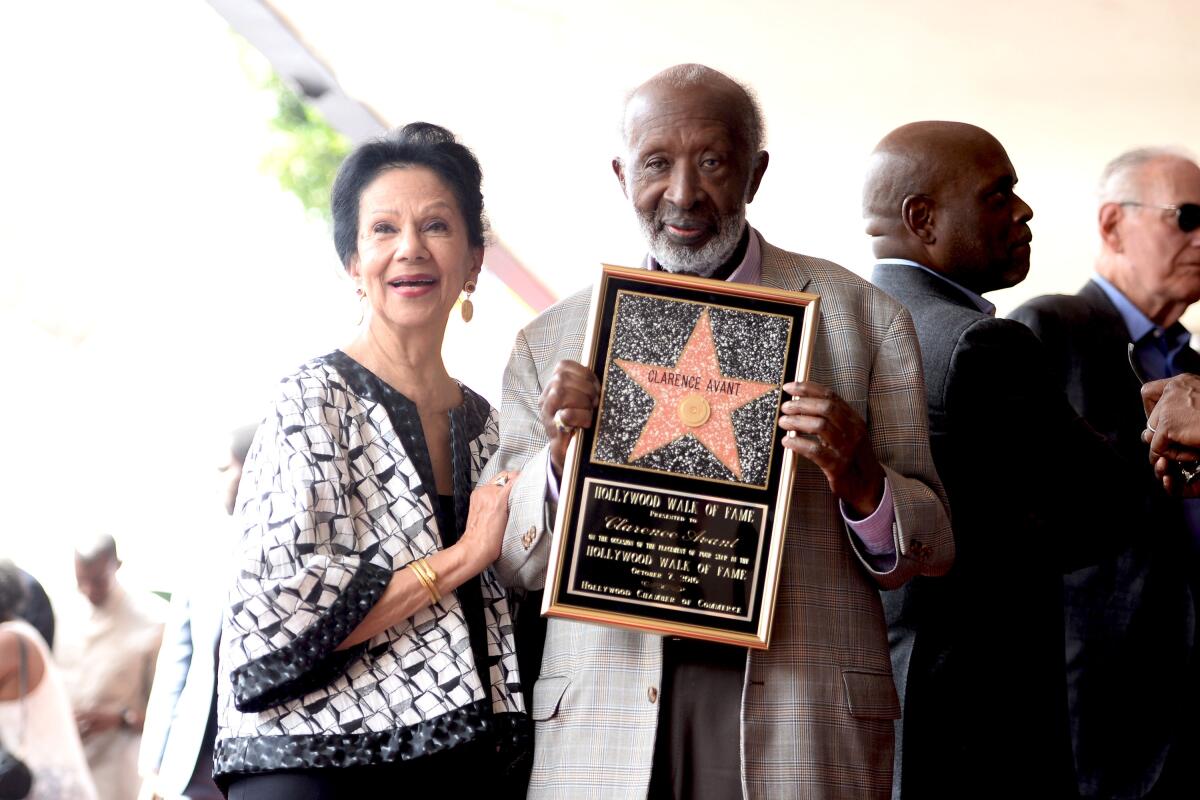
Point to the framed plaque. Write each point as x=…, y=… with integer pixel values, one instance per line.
x=673, y=506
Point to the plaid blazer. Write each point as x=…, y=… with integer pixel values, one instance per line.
x=818, y=706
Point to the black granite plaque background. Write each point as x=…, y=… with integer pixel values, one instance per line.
x=751, y=346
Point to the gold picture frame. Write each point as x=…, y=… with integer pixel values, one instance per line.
x=673, y=506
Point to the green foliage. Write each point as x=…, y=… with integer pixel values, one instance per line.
x=308, y=153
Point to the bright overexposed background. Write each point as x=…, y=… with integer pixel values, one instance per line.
x=155, y=283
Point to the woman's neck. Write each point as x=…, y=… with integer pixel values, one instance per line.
x=409, y=363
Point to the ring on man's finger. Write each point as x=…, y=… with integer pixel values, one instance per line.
x=501, y=479
x=1150, y=427
x=559, y=425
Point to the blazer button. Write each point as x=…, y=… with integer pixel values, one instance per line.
x=652, y=694
x=528, y=538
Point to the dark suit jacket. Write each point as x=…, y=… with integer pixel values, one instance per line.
x=1130, y=619
x=978, y=654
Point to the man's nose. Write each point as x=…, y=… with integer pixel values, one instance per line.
x=684, y=189
x=1024, y=211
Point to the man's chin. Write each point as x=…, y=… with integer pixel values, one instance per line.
x=698, y=258
x=702, y=254
x=671, y=263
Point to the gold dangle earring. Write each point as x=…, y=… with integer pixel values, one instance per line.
x=468, y=308
x=362, y=312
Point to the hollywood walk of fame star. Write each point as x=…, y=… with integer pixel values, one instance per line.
x=693, y=397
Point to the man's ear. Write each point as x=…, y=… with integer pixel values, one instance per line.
x=619, y=170
x=757, y=170
x=1110, y=215
x=917, y=213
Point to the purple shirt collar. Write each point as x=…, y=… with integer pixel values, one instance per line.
x=1155, y=347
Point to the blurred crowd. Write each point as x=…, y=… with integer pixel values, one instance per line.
x=120, y=703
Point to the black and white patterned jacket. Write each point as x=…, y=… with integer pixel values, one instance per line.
x=337, y=494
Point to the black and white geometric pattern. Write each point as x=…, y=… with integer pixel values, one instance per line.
x=336, y=495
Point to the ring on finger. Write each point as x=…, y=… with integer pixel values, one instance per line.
x=501, y=479
x=560, y=426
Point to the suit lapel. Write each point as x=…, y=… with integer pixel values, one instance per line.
x=781, y=270
x=1092, y=292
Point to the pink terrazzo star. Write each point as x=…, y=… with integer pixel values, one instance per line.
x=696, y=380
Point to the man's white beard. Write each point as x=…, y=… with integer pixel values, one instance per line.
x=678, y=258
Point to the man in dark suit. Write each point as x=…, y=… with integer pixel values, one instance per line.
x=1130, y=619
x=978, y=654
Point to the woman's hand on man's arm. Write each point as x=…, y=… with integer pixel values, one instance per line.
x=478, y=547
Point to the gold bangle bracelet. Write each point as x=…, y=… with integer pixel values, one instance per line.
x=418, y=568
x=427, y=577
x=424, y=579
x=415, y=566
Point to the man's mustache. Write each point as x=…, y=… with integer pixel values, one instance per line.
x=676, y=218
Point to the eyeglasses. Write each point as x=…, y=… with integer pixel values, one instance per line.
x=1187, y=215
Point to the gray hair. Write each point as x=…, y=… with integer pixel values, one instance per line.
x=1120, y=180
x=686, y=76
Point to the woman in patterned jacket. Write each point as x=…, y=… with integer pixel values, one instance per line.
x=368, y=643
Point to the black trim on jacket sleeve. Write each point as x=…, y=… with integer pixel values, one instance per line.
x=310, y=661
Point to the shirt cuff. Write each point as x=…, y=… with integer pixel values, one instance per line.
x=551, y=481
x=875, y=530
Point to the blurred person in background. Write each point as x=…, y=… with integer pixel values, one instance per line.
x=181, y=718
x=35, y=714
x=108, y=667
x=368, y=646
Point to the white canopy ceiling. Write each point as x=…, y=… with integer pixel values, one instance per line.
x=535, y=87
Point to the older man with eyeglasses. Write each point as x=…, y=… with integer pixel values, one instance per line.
x=1131, y=620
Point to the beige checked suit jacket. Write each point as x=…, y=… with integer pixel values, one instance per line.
x=818, y=706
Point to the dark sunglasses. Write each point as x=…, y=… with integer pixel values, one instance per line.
x=1186, y=215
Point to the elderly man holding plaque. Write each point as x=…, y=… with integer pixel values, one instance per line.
x=621, y=713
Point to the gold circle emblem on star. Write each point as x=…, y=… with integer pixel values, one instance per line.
x=694, y=411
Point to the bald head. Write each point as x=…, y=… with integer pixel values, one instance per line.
x=96, y=565
x=941, y=194
x=921, y=158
